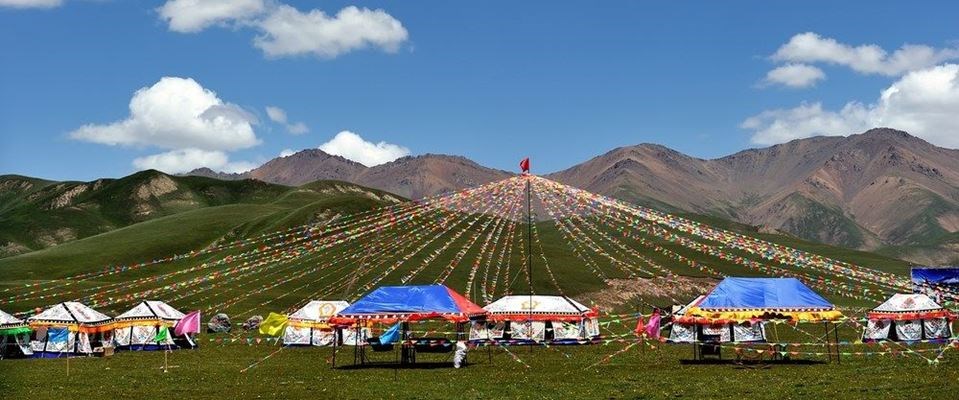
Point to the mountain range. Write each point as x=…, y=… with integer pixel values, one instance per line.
x=882, y=190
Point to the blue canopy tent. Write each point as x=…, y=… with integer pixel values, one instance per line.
x=403, y=304
x=736, y=309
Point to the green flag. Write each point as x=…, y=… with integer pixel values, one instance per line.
x=163, y=334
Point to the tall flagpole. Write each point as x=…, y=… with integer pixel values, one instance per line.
x=529, y=251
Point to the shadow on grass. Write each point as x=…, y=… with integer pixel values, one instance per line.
x=751, y=363
x=393, y=365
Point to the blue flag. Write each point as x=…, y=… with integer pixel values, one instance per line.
x=391, y=335
x=57, y=335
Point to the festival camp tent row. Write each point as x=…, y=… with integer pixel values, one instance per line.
x=735, y=311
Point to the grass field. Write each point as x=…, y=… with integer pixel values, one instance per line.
x=558, y=372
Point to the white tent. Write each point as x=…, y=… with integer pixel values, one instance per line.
x=308, y=326
x=914, y=317
x=137, y=328
x=14, y=336
x=537, y=318
x=68, y=328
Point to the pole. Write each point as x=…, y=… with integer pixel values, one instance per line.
x=529, y=252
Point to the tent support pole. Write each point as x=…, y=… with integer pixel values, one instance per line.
x=529, y=251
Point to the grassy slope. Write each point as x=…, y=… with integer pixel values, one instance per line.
x=298, y=373
x=28, y=219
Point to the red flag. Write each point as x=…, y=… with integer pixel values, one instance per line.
x=640, y=325
x=524, y=165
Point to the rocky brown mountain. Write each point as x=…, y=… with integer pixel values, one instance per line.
x=877, y=189
x=411, y=177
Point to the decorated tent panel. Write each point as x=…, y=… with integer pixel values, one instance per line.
x=538, y=308
x=151, y=309
x=749, y=299
x=309, y=326
x=536, y=318
x=137, y=328
x=69, y=328
x=14, y=336
x=409, y=303
x=909, y=317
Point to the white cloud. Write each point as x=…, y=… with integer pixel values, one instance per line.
x=351, y=146
x=298, y=128
x=278, y=115
x=288, y=32
x=285, y=31
x=795, y=75
x=31, y=3
x=810, y=48
x=923, y=103
x=185, y=160
x=287, y=152
x=188, y=16
x=176, y=113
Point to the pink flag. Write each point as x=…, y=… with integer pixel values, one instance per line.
x=189, y=324
x=652, y=328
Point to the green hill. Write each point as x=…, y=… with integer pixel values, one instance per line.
x=36, y=214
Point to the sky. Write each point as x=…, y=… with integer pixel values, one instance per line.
x=101, y=88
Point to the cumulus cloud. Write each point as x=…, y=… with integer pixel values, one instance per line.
x=185, y=160
x=188, y=16
x=923, y=103
x=278, y=115
x=353, y=147
x=811, y=48
x=795, y=76
x=288, y=32
x=287, y=153
x=176, y=113
x=31, y=3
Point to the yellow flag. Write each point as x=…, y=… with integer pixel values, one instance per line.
x=273, y=324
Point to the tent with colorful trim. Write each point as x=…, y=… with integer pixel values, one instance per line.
x=14, y=337
x=909, y=317
x=537, y=318
x=736, y=309
x=67, y=329
x=137, y=328
x=401, y=305
x=309, y=326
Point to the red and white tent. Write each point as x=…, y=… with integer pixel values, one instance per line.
x=909, y=317
x=537, y=318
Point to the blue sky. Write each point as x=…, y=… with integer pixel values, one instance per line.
x=492, y=81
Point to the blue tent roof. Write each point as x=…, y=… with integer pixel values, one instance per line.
x=763, y=293
x=412, y=300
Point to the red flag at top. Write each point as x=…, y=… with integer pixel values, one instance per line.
x=524, y=165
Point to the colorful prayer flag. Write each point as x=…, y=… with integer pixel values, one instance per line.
x=273, y=324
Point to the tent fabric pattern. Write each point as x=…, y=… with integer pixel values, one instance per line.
x=85, y=327
x=903, y=307
x=11, y=326
x=76, y=316
x=747, y=299
x=538, y=308
x=309, y=325
x=139, y=326
x=390, y=304
x=908, y=317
